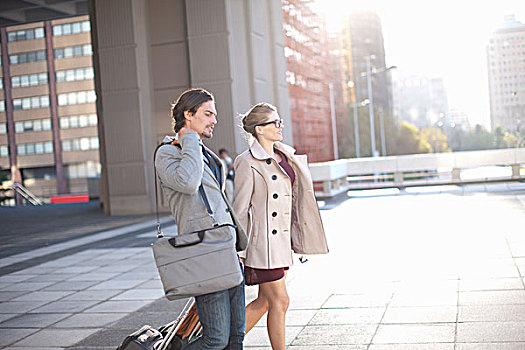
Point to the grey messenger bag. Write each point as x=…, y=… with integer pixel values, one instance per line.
x=199, y=262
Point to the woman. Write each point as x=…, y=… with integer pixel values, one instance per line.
x=274, y=199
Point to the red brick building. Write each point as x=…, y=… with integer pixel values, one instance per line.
x=308, y=75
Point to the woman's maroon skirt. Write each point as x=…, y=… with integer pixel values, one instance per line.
x=254, y=276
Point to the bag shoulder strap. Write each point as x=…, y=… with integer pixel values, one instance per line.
x=202, y=194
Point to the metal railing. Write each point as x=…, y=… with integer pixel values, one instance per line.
x=335, y=177
x=26, y=194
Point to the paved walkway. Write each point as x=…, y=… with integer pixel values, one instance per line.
x=437, y=271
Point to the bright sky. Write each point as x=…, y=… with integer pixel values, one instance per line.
x=445, y=38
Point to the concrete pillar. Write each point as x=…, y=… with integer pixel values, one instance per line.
x=146, y=52
x=515, y=170
x=456, y=174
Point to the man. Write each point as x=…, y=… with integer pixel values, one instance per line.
x=182, y=167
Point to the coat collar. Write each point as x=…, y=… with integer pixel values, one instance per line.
x=259, y=153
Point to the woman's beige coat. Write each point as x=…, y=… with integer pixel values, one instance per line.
x=276, y=218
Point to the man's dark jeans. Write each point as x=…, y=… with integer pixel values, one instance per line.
x=222, y=315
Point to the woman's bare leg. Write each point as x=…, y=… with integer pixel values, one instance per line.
x=277, y=296
x=254, y=311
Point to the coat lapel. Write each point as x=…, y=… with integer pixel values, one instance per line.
x=219, y=164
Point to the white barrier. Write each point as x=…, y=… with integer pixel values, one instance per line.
x=412, y=170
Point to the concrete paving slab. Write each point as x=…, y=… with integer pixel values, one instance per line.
x=357, y=300
x=56, y=337
x=41, y=295
x=425, y=314
x=487, y=284
x=118, y=306
x=12, y=307
x=4, y=317
x=94, y=276
x=133, y=275
x=491, y=346
x=68, y=285
x=89, y=320
x=112, y=285
x=335, y=317
x=6, y=296
x=99, y=295
x=10, y=336
x=33, y=348
x=342, y=335
x=25, y=286
x=15, y=278
x=492, y=297
x=415, y=334
x=51, y=277
x=417, y=298
x=321, y=347
x=485, y=332
x=258, y=336
x=151, y=284
x=33, y=320
x=498, y=313
x=65, y=306
x=293, y=318
x=426, y=346
x=77, y=269
x=140, y=294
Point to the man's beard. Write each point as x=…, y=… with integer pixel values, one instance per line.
x=207, y=134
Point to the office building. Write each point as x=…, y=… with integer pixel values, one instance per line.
x=48, y=118
x=506, y=72
x=308, y=75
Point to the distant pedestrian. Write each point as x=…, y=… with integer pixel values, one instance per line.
x=228, y=162
x=275, y=203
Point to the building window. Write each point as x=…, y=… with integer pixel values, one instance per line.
x=34, y=148
x=87, y=169
x=26, y=57
x=71, y=28
x=29, y=80
x=74, y=51
x=75, y=74
x=33, y=125
x=78, y=121
x=82, y=144
x=31, y=102
x=4, y=151
x=3, y=128
x=27, y=34
x=2, y=106
x=74, y=98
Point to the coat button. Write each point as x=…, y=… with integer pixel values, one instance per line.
x=227, y=210
x=275, y=196
x=274, y=177
x=274, y=232
x=274, y=214
x=268, y=161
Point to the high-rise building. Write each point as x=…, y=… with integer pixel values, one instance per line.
x=308, y=76
x=365, y=33
x=506, y=72
x=48, y=118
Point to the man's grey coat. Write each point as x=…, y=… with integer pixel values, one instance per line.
x=181, y=170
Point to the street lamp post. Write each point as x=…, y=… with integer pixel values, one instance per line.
x=371, y=106
x=351, y=84
x=369, y=74
x=332, y=116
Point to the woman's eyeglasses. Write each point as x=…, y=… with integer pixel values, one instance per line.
x=277, y=122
